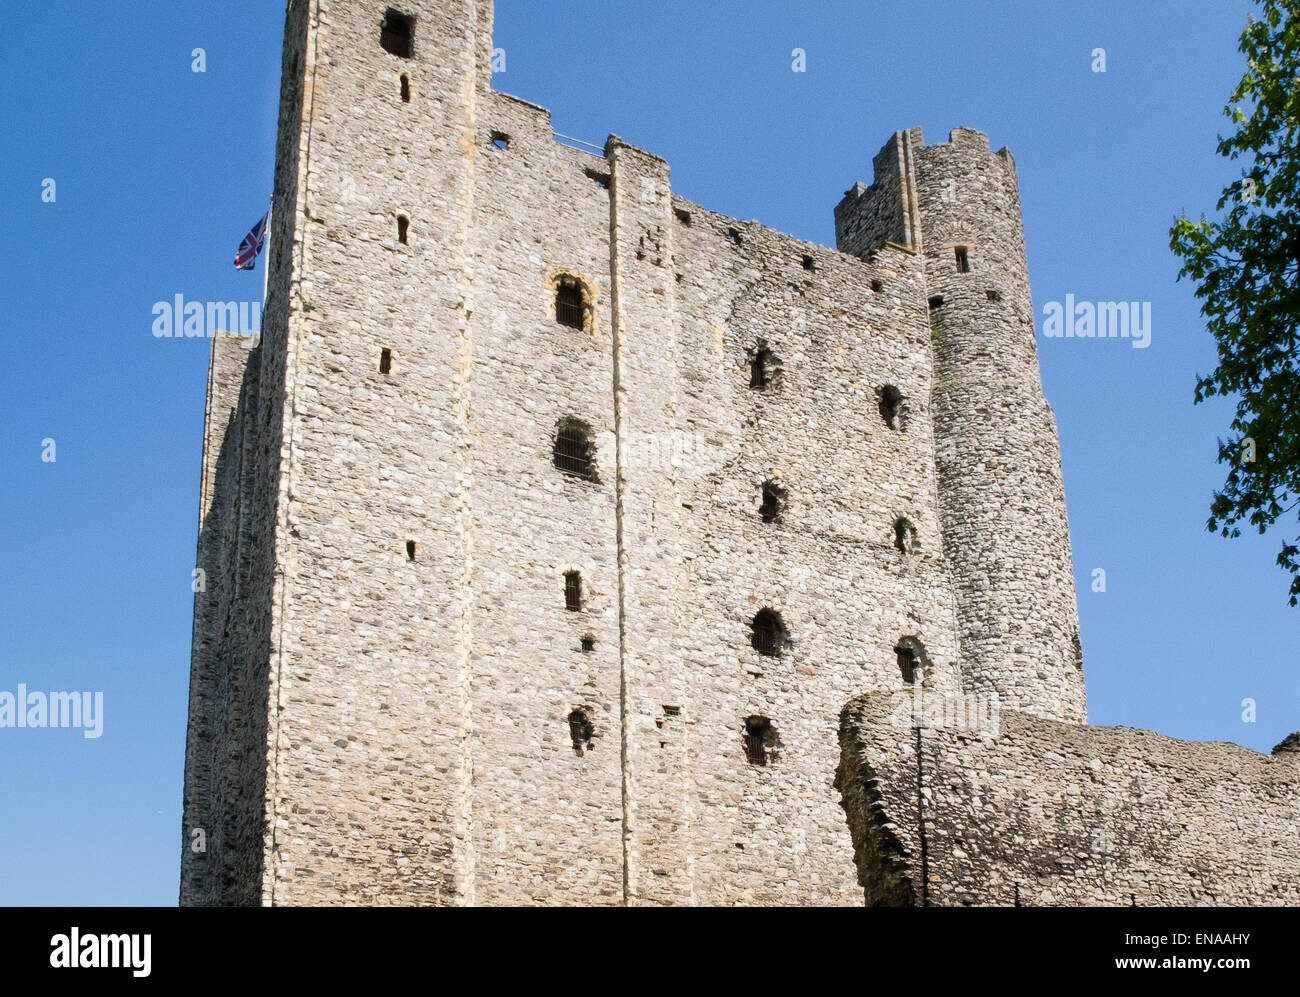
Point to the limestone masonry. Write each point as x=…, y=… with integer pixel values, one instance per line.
x=1049, y=814
x=554, y=519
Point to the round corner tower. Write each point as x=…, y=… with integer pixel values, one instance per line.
x=1001, y=494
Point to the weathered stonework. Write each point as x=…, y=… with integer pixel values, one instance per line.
x=1047, y=813
x=372, y=727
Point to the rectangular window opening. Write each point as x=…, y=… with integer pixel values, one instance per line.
x=906, y=663
x=395, y=33
x=385, y=361
x=756, y=732
x=568, y=304
x=601, y=179
x=412, y=548
x=573, y=591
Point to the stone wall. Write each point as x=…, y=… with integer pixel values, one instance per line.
x=418, y=667
x=1037, y=812
x=1001, y=494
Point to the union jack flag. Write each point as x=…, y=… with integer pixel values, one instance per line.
x=246, y=256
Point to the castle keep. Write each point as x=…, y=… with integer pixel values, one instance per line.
x=554, y=518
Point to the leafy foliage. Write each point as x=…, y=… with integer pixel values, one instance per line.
x=1247, y=270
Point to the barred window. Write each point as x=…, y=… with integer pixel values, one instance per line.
x=575, y=449
x=573, y=591
x=759, y=738
x=906, y=659
x=580, y=731
x=769, y=634
x=568, y=303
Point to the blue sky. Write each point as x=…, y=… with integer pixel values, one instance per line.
x=161, y=170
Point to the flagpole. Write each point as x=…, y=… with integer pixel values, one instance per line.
x=266, y=262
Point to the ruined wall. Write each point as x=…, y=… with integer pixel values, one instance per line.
x=1048, y=813
x=419, y=666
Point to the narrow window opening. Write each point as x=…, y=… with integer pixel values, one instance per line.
x=733, y=236
x=936, y=302
x=580, y=731
x=764, y=366
x=588, y=644
x=411, y=548
x=575, y=450
x=877, y=286
x=760, y=740
x=406, y=89
x=963, y=259
x=906, y=658
x=385, y=361
x=808, y=263
x=573, y=591
x=904, y=536
x=500, y=140
x=993, y=295
x=601, y=179
x=568, y=303
x=769, y=636
x=395, y=34
x=403, y=224
x=773, y=501
x=891, y=406
x=683, y=216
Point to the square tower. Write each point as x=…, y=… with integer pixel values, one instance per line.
x=554, y=517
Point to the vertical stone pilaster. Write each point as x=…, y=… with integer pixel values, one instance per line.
x=651, y=574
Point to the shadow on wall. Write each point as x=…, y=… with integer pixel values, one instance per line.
x=225, y=787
